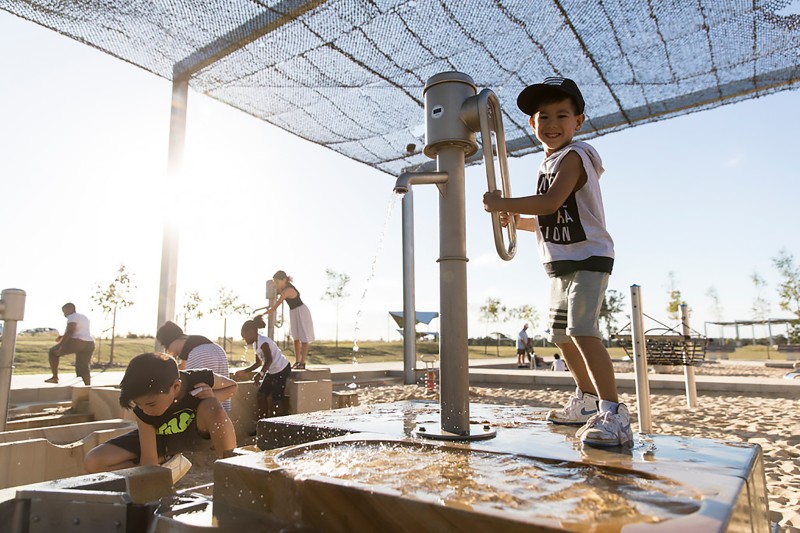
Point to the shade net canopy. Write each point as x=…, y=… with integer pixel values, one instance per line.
x=349, y=74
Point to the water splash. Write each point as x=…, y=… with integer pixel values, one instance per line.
x=394, y=199
x=486, y=481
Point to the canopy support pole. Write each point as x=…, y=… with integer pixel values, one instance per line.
x=12, y=310
x=169, y=246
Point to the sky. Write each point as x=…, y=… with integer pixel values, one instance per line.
x=696, y=203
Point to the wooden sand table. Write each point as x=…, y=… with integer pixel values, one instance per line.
x=771, y=421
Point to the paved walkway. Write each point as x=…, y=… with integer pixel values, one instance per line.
x=36, y=381
x=113, y=377
x=485, y=372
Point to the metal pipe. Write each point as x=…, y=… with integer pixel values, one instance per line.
x=454, y=361
x=640, y=361
x=272, y=296
x=169, y=244
x=409, y=304
x=407, y=179
x=688, y=369
x=403, y=186
x=12, y=310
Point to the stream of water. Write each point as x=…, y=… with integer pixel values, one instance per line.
x=394, y=199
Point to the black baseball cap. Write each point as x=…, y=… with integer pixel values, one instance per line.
x=529, y=99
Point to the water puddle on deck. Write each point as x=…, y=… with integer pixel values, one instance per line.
x=574, y=494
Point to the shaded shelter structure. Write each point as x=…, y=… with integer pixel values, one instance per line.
x=349, y=74
x=736, y=324
x=420, y=317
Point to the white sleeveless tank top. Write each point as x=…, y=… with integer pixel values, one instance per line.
x=576, y=232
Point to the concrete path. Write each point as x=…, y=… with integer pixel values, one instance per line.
x=483, y=372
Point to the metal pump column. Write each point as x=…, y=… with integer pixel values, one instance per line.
x=272, y=297
x=449, y=141
x=453, y=113
x=12, y=310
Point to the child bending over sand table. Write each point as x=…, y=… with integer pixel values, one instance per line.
x=175, y=411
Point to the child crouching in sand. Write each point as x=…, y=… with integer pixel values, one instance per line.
x=175, y=411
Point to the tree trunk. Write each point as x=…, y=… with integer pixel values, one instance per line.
x=225, y=334
x=113, y=334
x=337, y=325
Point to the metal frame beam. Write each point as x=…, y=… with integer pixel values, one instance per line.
x=244, y=34
x=183, y=70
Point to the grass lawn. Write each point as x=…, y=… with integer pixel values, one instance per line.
x=31, y=352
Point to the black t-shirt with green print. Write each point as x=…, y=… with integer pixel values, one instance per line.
x=176, y=426
x=180, y=416
x=176, y=430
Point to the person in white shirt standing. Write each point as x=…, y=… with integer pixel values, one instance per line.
x=522, y=346
x=76, y=339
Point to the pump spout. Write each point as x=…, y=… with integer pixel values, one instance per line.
x=407, y=179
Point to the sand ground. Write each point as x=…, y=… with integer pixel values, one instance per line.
x=772, y=421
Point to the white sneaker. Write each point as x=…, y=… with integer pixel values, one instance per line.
x=608, y=429
x=580, y=408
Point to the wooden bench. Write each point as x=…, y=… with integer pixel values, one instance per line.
x=721, y=348
x=791, y=351
x=668, y=349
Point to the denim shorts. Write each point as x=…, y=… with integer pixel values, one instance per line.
x=575, y=302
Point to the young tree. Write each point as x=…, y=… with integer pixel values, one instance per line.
x=761, y=306
x=674, y=302
x=191, y=307
x=115, y=296
x=612, y=306
x=525, y=313
x=716, y=306
x=789, y=290
x=492, y=312
x=337, y=284
x=225, y=306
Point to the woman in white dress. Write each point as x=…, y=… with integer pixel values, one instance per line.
x=302, y=326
